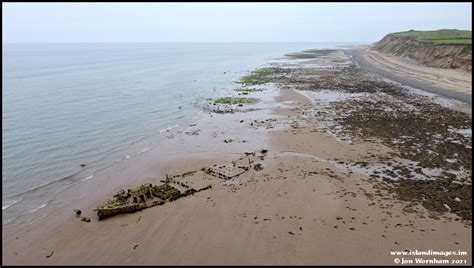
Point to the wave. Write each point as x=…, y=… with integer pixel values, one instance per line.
x=36, y=194
x=35, y=209
x=44, y=185
x=88, y=178
x=6, y=220
x=9, y=203
x=74, y=177
x=168, y=128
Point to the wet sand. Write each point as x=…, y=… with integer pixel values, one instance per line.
x=309, y=205
x=450, y=83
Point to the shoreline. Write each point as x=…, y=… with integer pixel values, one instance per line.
x=133, y=149
x=308, y=202
x=445, y=82
x=109, y=130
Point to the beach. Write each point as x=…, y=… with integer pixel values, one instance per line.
x=451, y=83
x=344, y=167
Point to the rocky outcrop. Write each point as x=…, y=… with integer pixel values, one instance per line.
x=455, y=56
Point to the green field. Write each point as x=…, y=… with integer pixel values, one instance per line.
x=445, y=36
x=462, y=41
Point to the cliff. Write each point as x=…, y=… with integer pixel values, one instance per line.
x=442, y=48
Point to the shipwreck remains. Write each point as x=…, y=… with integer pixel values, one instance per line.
x=145, y=196
x=176, y=186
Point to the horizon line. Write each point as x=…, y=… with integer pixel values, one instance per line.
x=175, y=42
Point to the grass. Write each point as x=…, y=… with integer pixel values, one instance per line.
x=452, y=41
x=465, y=51
x=403, y=48
x=260, y=76
x=444, y=36
x=247, y=90
x=232, y=100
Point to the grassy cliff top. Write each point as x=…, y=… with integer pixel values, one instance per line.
x=444, y=36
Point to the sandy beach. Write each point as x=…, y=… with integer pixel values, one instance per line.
x=346, y=177
x=456, y=84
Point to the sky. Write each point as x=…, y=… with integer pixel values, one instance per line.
x=224, y=22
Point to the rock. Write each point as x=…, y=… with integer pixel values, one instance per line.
x=86, y=219
x=51, y=254
x=158, y=202
x=205, y=188
x=78, y=212
x=258, y=167
x=447, y=207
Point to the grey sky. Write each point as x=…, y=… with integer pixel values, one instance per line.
x=225, y=22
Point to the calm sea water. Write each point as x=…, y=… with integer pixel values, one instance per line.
x=69, y=104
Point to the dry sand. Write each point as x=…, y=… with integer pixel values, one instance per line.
x=447, y=82
x=300, y=209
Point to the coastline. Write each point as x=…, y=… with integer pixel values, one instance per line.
x=300, y=209
x=449, y=83
x=108, y=113
x=55, y=187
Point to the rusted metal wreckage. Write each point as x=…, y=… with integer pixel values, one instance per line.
x=148, y=195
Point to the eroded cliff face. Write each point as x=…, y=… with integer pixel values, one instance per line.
x=455, y=56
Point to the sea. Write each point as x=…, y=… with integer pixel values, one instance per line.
x=71, y=109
